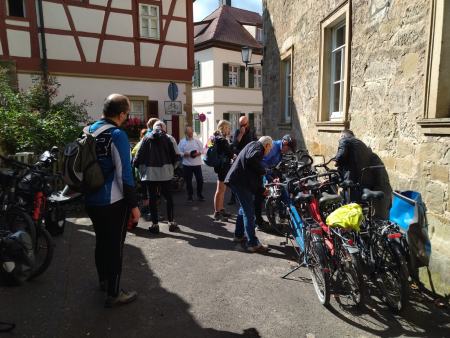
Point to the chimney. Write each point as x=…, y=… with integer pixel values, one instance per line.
x=225, y=3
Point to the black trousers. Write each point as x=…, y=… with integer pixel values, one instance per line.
x=152, y=193
x=110, y=225
x=189, y=171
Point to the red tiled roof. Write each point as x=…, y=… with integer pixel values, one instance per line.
x=225, y=25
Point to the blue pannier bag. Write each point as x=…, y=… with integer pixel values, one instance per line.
x=409, y=212
x=212, y=157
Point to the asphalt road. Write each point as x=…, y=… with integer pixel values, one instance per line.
x=196, y=283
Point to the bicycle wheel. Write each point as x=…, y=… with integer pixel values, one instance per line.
x=44, y=248
x=17, y=219
x=273, y=214
x=394, y=278
x=318, y=268
x=351, y=274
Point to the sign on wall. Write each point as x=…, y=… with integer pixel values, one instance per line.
x=172, y=91
x=173, y=107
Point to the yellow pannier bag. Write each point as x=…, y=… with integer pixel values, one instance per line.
x=348, y=216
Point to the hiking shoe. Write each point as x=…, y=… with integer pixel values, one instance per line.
x=122, y=298
x=224, y=213
x=262, y=225
x=240, y=239
x=201, y=198
x=154, y=229
x=260, y=248
x=173, y=226
x=218, y=216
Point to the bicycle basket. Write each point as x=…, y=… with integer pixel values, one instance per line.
x=348, y=216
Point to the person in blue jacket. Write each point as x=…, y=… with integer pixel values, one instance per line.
x=115, y=203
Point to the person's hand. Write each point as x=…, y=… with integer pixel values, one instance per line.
x=234, y=156
x=242, y=130
x=187, y=154
x=266, y=192
x=135, y=215
x=276, y=180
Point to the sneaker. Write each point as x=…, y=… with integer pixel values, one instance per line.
x=190, y=199
x=224, y=213
x=122, y=298
x=154, y=229
x=201, y=198
x=262, y=225
x=239, y=239
x=173, y=226
x=218, y=216
x=260, y=248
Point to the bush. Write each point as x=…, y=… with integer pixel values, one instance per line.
x=31, y=120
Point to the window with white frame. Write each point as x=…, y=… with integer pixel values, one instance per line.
x=259, y=35
x=286, y=88
x=137, y=110
x=258, y=77
x=337, y=80
x=16, y=8
x=233, y=76
x=149, y=21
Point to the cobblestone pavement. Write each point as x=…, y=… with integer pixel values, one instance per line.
x=196, y=283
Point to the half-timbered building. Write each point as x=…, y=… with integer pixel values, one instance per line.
x=97, y=47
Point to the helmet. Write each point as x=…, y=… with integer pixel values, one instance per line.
x=291, y=142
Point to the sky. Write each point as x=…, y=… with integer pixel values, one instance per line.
x=202, y=8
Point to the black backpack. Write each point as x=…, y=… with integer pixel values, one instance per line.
x=81, y=170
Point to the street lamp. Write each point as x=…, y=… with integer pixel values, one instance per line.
x=246, y=53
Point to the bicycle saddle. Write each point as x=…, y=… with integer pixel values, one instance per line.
x=311, y=185
x=302, y=197
x=329, y=198
x=370, y=195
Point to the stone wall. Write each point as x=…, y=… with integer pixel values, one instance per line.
x=388, y=69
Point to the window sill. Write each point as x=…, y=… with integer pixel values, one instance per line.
x=331, y=126
x=438, y=126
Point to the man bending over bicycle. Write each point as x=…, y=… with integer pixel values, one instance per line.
x=352, y=157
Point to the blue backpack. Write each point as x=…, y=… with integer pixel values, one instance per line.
x=212, y=157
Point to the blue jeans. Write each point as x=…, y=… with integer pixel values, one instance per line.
x=245, y=222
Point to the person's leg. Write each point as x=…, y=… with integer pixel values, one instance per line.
x=199, y=180
x=239, y=230
x=167, y=194
x=246, y=199
x=153, y=200
x=218, y=196
x=259, y=198
x=101, y=240
x=188, y=171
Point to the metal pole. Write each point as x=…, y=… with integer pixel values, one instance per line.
x=44, y=61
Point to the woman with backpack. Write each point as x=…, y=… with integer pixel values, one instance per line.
x=220, y=140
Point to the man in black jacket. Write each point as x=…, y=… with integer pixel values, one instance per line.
x=245, y=179
x=351, y=158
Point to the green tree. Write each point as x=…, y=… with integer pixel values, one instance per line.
x=28, y=123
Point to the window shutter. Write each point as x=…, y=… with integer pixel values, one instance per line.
x=199, y=75
x=251, y=77
x=242, y=77
x=225, y=75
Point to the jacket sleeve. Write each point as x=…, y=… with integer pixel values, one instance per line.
x=121, y=155
x=235, y=142
x=138, y=159
x=342, y=152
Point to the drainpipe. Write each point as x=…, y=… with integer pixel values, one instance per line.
x=44, y=62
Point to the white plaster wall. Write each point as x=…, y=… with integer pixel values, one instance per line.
x=148, y=53
x=98, y=2
x=87, y=19
x=166, y=6
x=120, y=24
x=61, y=47
x=17, y=23
x=180, y=9
x=206, y=128
x=117, y=52
x=238, y=95
x=55, y=16
x=176, y=32
x=19, y=43
x=202, y=96
x=205, y=57
x=123, y=4
x=174, y=57
x=251, y=30
x=95, y=90
x=89, y=46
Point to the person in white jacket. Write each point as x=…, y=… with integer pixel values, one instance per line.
x=191, y=150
